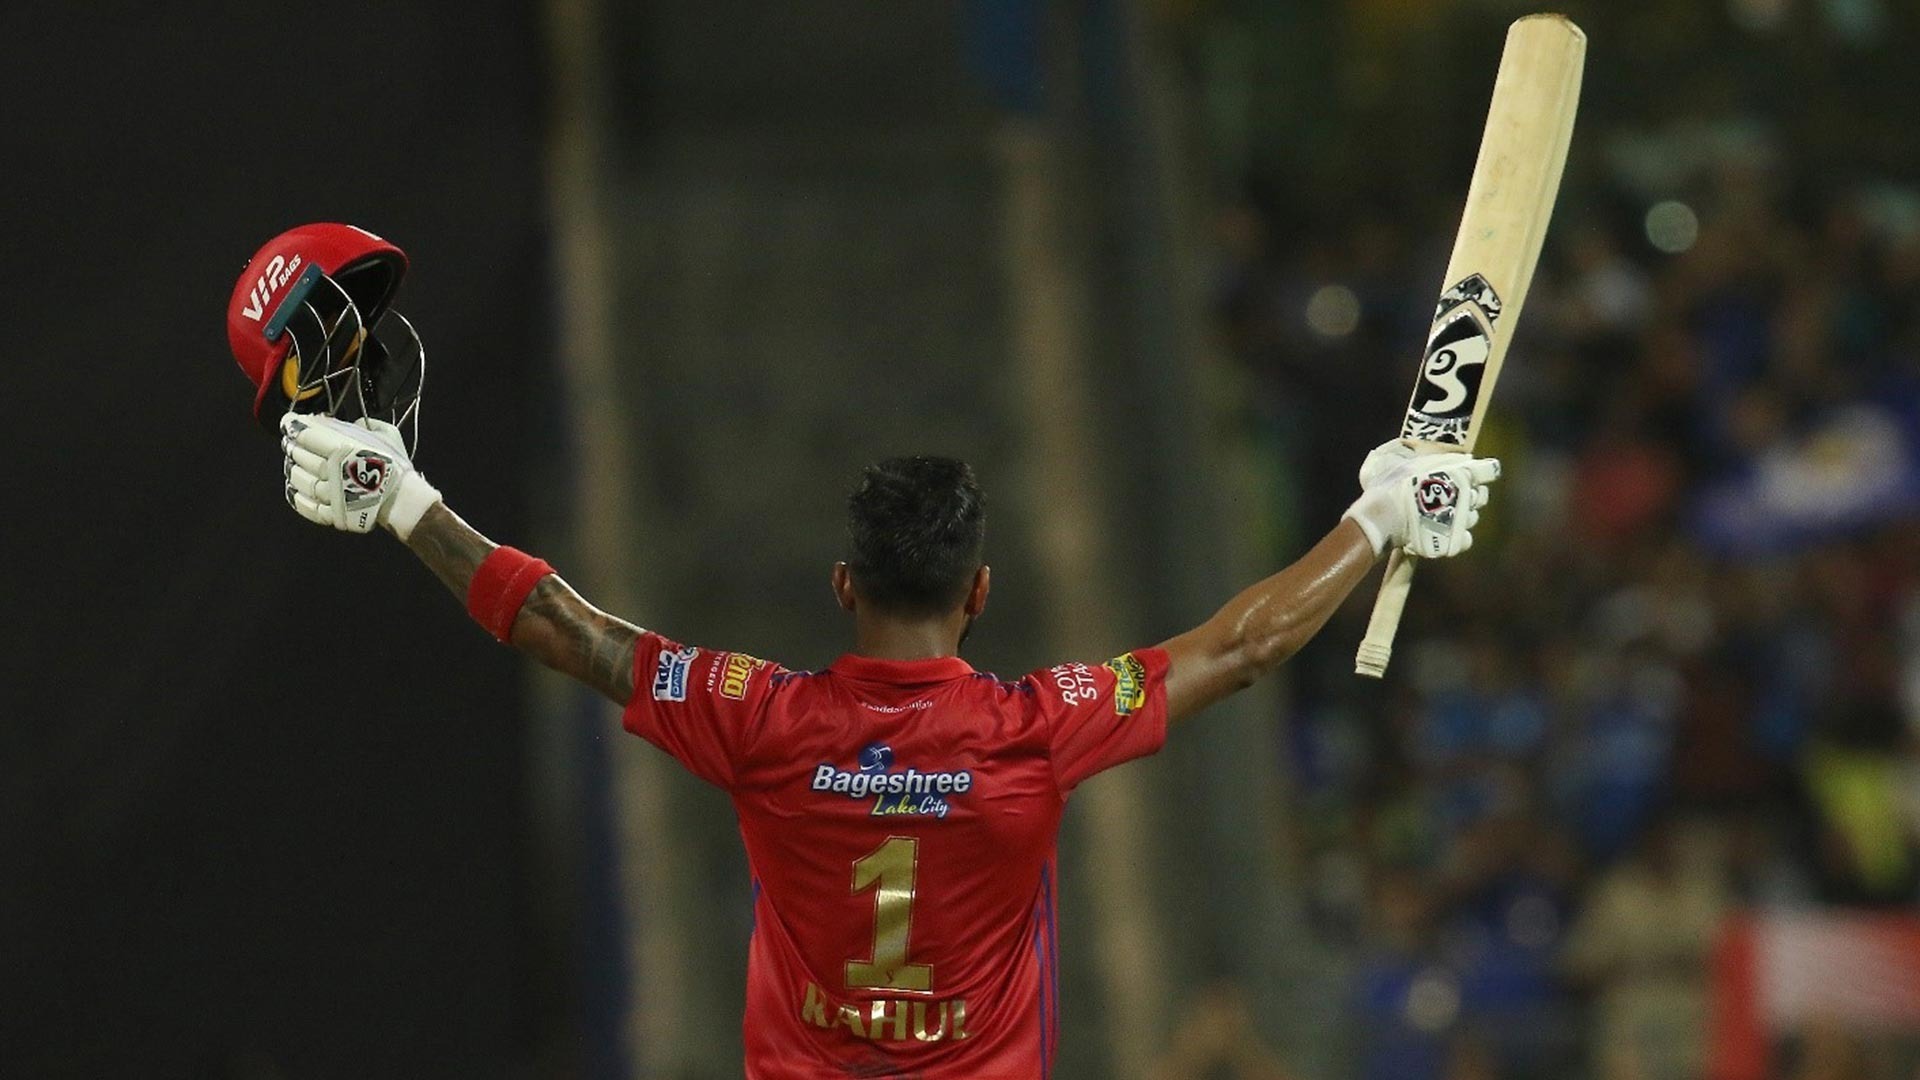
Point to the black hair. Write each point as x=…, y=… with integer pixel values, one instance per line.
x=916, y=533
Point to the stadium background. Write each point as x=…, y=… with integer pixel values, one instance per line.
x=273, y=810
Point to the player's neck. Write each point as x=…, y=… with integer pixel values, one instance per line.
x=884, y=638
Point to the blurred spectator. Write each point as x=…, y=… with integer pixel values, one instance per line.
x=1641, y=946
x=1507, y=896
x=1217, y=1040
x=1407, y=1001
x=1699, y=595
x=1829, y=1052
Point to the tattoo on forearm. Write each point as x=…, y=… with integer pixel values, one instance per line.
x=580, y=639
x=451, y=548
x=555, y=626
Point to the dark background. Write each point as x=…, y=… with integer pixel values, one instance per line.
x=264, y=811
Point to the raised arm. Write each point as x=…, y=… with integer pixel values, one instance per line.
x=555, y=626
x=353, y=477
x=1260, y=628
x=1426, y=503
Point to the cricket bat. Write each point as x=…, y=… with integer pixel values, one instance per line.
x=1509, y=204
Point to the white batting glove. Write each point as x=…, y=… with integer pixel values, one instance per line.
x=352, y=476
x=1423, y=503
x=1384, y=458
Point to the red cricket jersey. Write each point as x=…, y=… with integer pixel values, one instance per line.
x=900, y=819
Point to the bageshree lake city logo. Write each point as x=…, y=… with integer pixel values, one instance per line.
x=904, y=792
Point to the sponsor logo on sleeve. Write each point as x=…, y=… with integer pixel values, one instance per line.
x=734, y=673
x=1075, y=683
x=670, y=674
x=1129, y=683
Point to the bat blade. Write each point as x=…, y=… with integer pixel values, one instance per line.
x=1509, y=203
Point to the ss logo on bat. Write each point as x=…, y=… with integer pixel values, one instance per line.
x=1460, y=345
x=1457, y=354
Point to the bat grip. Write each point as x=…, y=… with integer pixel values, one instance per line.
x=1377, y=647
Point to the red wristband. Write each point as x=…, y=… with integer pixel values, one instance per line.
x=501, y=584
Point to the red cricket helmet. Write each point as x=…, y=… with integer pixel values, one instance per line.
x=311, y=323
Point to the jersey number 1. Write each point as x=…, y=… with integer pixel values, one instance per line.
x=892, y=867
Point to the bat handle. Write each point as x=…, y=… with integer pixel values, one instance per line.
x=1377, y=647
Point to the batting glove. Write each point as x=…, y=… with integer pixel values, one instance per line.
x=1424, y=503
x=352, y=476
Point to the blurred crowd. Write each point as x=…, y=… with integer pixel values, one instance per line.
x=1679, y=675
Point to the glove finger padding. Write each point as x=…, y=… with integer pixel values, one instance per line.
x=312, y=511
x=301, y=458
x=1426, y=504
x=352, y=475
x=302, y=482
x=324, y=435
x=343, y=469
